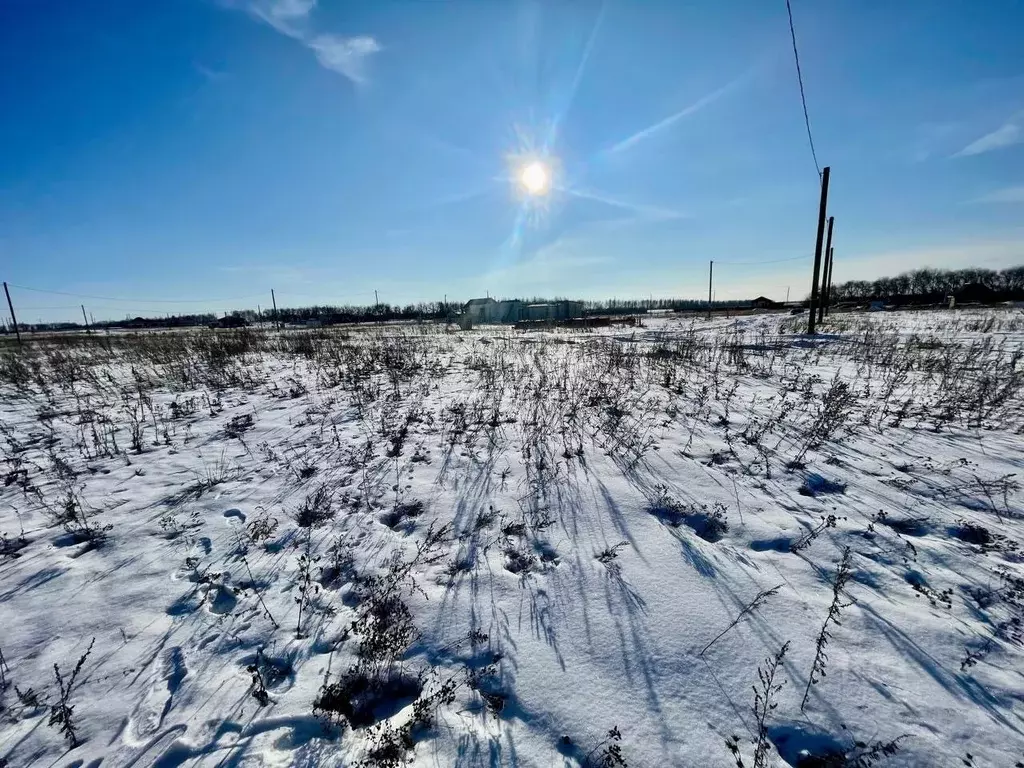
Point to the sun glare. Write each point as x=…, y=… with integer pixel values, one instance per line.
x=535, y=178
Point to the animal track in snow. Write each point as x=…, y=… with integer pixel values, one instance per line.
x=168, y=675
x=235, y=514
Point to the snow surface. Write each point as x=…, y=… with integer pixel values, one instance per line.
x=578, y=576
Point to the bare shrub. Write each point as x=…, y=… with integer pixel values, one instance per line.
x=317, y=508
x=820, y=657
x=62, y=712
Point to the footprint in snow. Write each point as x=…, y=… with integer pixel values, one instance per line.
x=236, y=514
x=168, y=675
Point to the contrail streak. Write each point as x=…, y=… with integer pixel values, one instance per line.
x=661, y=125
x=645, y=210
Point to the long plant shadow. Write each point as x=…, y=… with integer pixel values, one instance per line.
x=955, y=684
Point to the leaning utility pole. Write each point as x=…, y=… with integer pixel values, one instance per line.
x=711, y=273
x=86, y=321
x=817, y=250
x=828, y=279
x=14, y=319
x=824, y=275
x=277, y=320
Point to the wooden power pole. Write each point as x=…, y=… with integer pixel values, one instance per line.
x=14, y=318
x=828, y=279
x=823, y=205
x=86, y=321
x=273, y=299
x=711, y=274
x=823, y=302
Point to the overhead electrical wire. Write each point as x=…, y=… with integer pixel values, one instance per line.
x=756, y=263
x=134, y=300
x=800, y=79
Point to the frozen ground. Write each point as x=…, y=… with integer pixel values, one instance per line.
x=493, y=548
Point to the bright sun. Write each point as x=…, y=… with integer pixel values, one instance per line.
x=535, y=178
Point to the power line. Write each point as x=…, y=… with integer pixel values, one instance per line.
x=755, y=263
x=136, y=299
x=65, y=306
x=800, y=79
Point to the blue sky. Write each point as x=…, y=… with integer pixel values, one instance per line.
x=213, y=149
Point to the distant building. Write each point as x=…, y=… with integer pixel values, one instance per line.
x=763, y=302
x=554, y=310
x=510, y=311
x=480, y=310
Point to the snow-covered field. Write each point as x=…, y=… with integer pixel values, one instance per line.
x=493, y=548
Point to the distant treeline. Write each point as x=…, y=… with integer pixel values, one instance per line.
x=424, y=310
x=633, y=306
x=925, y=285
x=917, y=287
x=333, y=315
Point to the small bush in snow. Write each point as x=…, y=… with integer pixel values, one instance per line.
x=78, y=522
x=607, y=556
x=307, y=587
x=317, y=508
x=258, y=688
x=827, y=521
x=62, y=712
x=608, y=753
x=261, y=528
x=820, y=657
x=764, y=705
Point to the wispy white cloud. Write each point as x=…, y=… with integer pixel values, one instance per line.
x=289, y=17
x=345, y=55
x=1005, y=136
x=933, y=139
x=1005, y=195
x=212, y=75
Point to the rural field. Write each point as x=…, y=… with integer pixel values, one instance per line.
x=692, y=543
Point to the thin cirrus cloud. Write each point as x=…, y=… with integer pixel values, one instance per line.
x=1005, y=136
x=345, y=55
x=1005, y=195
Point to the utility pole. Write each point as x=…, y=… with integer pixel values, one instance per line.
x=828, y=279
x=711, y=273
x=824, y=275
x=273, y=299
x=14, y=318
x=86, y=321
x=817, y=250
x=787, y=294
